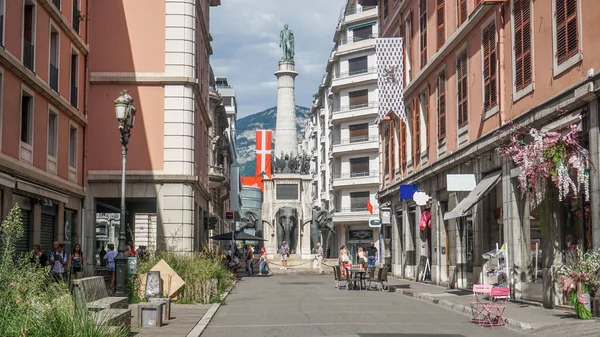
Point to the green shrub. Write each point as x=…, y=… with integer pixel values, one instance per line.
x=195, y=269
x=31, y=303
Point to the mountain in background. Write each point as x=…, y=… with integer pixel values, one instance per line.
x=246, y=131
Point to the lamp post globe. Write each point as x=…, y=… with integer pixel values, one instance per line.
x=125, y=113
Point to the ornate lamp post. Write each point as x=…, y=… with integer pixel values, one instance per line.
x=125, y=112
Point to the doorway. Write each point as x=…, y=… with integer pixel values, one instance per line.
x=466, y=238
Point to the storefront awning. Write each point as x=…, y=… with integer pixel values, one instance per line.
x=484, y=186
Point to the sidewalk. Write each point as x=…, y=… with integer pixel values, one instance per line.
x=184, y=318
x=519, y=316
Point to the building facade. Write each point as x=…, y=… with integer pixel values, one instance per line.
x=344, y=136
x=487, y=66
x=43, y=71
x=168, y=191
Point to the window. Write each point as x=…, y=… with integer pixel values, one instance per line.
x=2, y=9
x=74, y=78
x=461, y=12
x=488, y=44
x=26, y=118
x=359, y=167
x=358, y=201
x=416, y=134
x=52, y=134
x=29, y=35
x=227, y=101
x=385, y=9
x=287, y=192
x=359, y=99
x=73, y=146
x=76, y=15
x=408, y=47
x=566, y=34
x=440, y=11
x=402, y=150
x=462, y=89
x=357, y=65
x=359, y=132
x=56, y=3
x=522, y=39
x=423, y=31
x=362, y=33
x=424, y=118
x=54, y=50
x=386, y=151
x=441, y=104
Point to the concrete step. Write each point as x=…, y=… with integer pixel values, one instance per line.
x=108, y=303
x=113, y=317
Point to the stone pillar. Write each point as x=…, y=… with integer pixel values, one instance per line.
x=36, y=210
x=285, y=130
x=60, y=224
x=396, y=241
x=176, y=226
x=512, y=229
x=595, y=184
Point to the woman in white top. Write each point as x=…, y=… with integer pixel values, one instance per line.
x=361, y=258
x=344, y=259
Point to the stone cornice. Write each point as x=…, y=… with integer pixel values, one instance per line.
x=32, y=80
x=20, y=169
x=151, y=79
x=65, y=25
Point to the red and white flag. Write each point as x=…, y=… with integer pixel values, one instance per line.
x=264, y=141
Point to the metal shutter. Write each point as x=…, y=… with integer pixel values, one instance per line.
x=47, y=232
x=22, y=245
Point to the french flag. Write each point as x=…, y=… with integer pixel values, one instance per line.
x=264, y=141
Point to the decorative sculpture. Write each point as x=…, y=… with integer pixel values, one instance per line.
x=287, y=226
x=290, y=163
x=250, y=220
x=286, y=42
x=321, y=221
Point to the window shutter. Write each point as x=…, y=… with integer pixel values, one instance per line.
x=440, y=29
x=462, y=89
x=426, y=116
x=392, y=150
x=441, y=92
x=489, y=67
x=462, y=11
x=423, y=31
x=522, y=43
x=416, y=132
x=567, y=36
x=403, y=145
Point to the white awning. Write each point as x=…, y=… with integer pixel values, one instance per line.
x=484, y=186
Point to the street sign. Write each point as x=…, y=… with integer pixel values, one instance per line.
x=229, y=216
x=374, y=223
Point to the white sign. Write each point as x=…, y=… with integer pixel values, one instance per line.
x=374, y=222
x=421, y=198
x=460, y=182
x=386, y=217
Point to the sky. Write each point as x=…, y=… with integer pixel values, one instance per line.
x=246, y=46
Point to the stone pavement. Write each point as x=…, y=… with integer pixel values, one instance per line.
x=519, y=316
x=308, y=305
x=184, y=318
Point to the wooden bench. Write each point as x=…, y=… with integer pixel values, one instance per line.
x=112, y=311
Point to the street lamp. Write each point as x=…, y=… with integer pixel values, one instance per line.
x=125, y=116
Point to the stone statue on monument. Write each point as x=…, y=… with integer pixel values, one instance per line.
x=287, y=226
x=286, y=42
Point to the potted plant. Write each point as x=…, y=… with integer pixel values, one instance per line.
x=579, y=279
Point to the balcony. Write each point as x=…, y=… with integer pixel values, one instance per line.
x=353, y=44
x=353, y=179
x=352, y=78
x=355, y=145
x=74, y=96
x=354, y=112
x=353, y=214
x=54, y=77
x=216, y=176
x=360, y=13
x=28, y=50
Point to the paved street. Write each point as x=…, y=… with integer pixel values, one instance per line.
x=308, y=305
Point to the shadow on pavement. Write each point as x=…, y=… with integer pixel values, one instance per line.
x=407, y=335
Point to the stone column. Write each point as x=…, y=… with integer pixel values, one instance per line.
x=285, y=130
x=595, y=184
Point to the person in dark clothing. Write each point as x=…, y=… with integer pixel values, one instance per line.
x=372, y=251
x=38, y=256
x=101, y=255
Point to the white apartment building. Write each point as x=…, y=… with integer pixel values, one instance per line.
x=344, y=136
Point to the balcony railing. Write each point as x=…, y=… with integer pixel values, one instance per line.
x=357, y=38
x=56, y=3
x=345, y=108
x=356, y=72
x=28, y=50
x=214, y=170
x=355, y=174
x=354, y=209
x=54, y=78
x=76, y=19
x=1, y=30
x=352, y=140
x=74, y=96
x=359, y=10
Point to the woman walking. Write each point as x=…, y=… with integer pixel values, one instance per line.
x=344, y=259
x=264, y=263
x=76, y=262
x=110, y=264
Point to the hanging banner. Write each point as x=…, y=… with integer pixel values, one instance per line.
x=390, y=81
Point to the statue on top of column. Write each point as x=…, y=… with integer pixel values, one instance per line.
x=286, y=42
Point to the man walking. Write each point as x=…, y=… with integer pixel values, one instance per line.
x=285, y=252
x=373, y=255
x=320, y=257
x=249, y=260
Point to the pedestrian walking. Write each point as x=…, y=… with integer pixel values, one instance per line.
x=110, y=264
x=320, y=257
x=58, y=261
x=264, y=262
x=373, y=255
x=344, y=259
x=249, y=260
x=285, y=252
x=39, y=257
x=76, y=262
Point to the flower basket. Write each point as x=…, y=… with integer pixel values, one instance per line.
x=579, y=278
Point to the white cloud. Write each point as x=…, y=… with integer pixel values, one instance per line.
x=246, y=46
